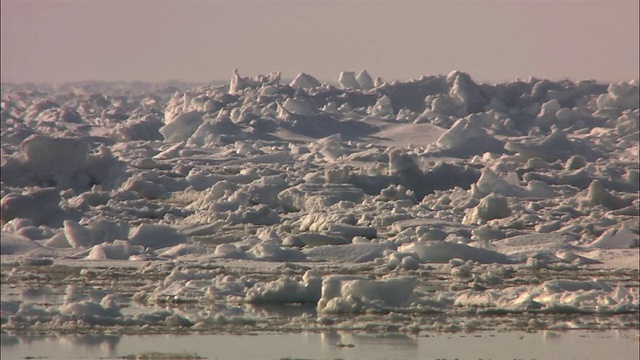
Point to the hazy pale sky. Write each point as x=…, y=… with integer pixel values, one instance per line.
x=204, y=40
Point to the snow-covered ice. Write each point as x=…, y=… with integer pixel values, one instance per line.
x=284, y=206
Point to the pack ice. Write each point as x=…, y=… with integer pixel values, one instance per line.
x=430, y=204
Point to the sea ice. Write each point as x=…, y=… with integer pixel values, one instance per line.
x=387, y=201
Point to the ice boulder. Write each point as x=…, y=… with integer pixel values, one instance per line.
x=342, y=294
x=347, y=80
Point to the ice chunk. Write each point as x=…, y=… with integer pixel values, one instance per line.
x=156, y=236
x=616, y=238
x=598, y=195
x=318, y=196
x=621, y=95
x=443, y=251
x=466, y=91
x=58, y=241
x=330, y=147
x=468, y=137
x=298, y=107
x=348, y=231
x=382, y=107
x=40, y=206
x=258, y=215
x=237, y=82
x=229, y=251
x=491, y=207
x=490, y=182
x=317, y=239
x=145, y=188
x=145, y=128
x=11, y=244
x=347, y=80
x=77, y=235
x=211, y=131
x=304, y=81
x=365, y=81
x=46, y=154
x=404, y=165
x=103, y=230
x=182, y=126
x=575, y=162
x=356, y=253
x=547, y=115
x=118, y=250
x=554, y=147
x=107, y=308
x=287, y=290
x=349, y=295
x=272, y=252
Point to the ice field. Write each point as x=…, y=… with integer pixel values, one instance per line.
x=436, y=205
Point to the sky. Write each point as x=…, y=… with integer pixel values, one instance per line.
x=204, y=40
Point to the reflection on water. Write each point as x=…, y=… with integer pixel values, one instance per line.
x=7, y=340
x=279, y=310
x=332, y=345
x=105, y=343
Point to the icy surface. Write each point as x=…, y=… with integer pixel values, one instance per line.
x=426, y=205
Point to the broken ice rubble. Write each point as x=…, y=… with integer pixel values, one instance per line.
x=356, y=197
